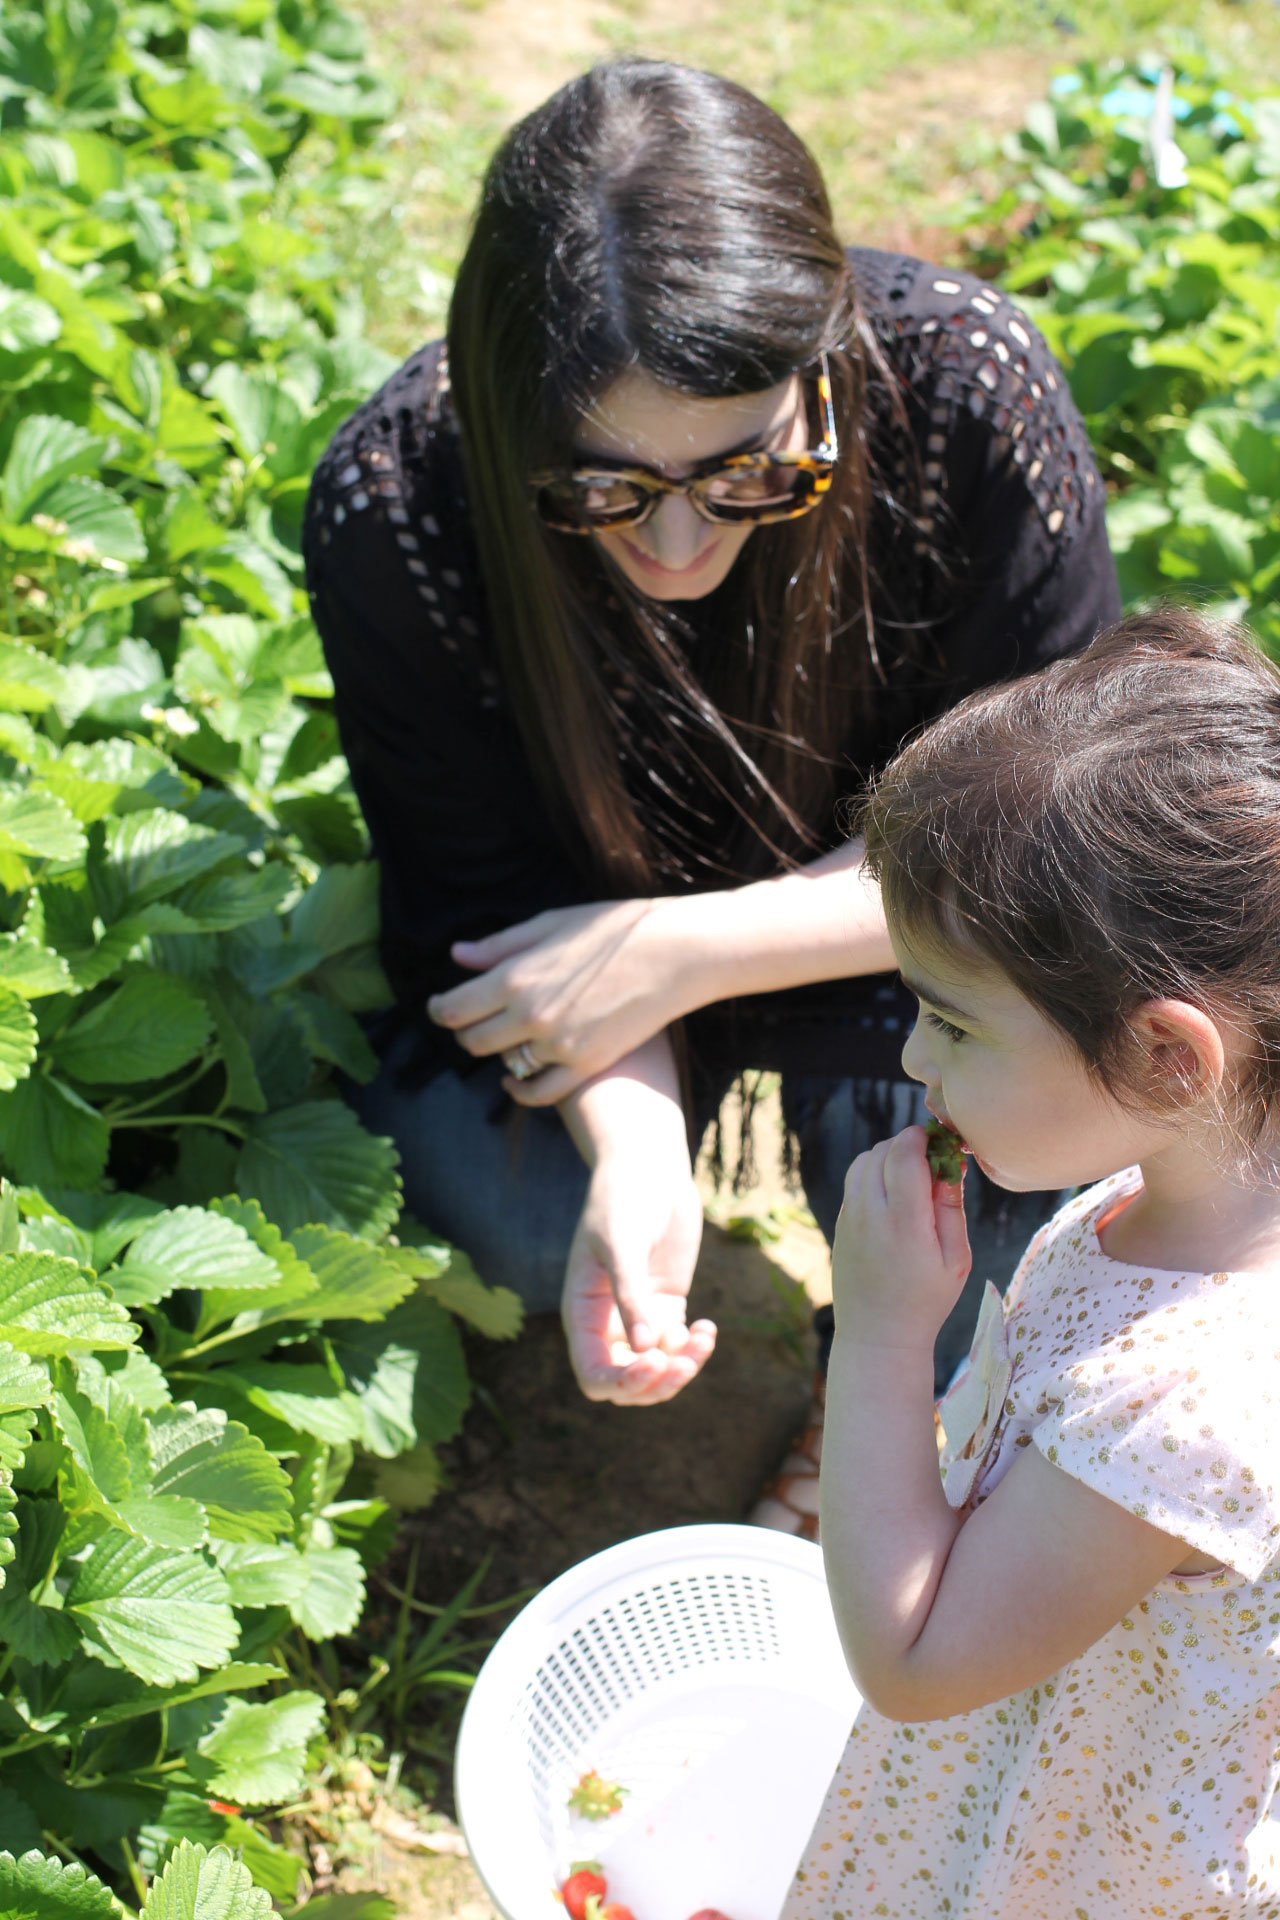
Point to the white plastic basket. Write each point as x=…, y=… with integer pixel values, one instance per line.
x=700, y=1668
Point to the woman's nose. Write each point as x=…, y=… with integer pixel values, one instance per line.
x=674, y=533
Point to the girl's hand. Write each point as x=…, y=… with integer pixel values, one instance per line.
x=901, y=1253
x=627, y=1284
x=581, y=986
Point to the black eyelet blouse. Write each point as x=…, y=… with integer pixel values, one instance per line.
x=989, y=530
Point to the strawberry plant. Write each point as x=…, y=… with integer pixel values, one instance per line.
x=1141, y=228
x=209, y=1304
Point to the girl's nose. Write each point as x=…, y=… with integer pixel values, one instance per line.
x=674, y=533
x=915, y=1055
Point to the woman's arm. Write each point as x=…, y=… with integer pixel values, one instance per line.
x=632, y=1258
x=584, y=986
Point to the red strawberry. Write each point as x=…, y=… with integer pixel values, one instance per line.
x=584, y=1883
x=616, y=1911
x=708, y=1913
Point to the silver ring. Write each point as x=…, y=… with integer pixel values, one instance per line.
x=522, y=1062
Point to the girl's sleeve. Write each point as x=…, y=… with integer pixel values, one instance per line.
x=456, y=824
x=1178, y=1419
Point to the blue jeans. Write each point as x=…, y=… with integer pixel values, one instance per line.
x=507, y=1185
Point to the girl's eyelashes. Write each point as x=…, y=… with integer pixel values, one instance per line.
x=942, y=1026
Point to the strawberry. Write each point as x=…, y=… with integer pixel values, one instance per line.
x=594, y=1798
x=945, y=1153
x=586, y=1882
x=708, y=1913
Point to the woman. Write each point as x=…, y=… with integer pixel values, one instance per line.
x=694, y=520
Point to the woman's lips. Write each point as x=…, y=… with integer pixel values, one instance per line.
x=652, y=565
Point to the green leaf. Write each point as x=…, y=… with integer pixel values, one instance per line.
x=191, y=1247
x=96, y=1447
x=31, y=969
x=19, y=1824
x=111, y=1221
x=336, y=1036
x=30, y=682
x=50, y=1137
x=233, y=897
x=258, y=1748
x=306, y=1398
x=496, y=1312
x=315, y=1162
x=17, y=1039
x=334, y=1596
x=339, y=910
x=259, y=1575
x=22, y=1382
x=408, y=1374
x=145, y=1029
x=163, y=1615
x=25, y=321
x=150, y=854
x=296, y=1279
x=237, y=1678
x=87, y=520
x=34, y=1888
x=244, y=1090
x=38, y=824
x=198, y=1885
x=356, y=1281
x=51, y=1306
x=46, y=449
x=201, y=1455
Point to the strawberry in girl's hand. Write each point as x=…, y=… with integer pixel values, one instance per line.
x=586, y=1882
x=945, y=1153
x=594, y=1798
x=614, y=1911
x=708, y=1913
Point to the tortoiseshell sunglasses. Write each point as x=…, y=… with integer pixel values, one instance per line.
x=740, y=489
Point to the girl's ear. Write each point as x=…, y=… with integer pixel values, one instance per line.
x=1185, y=1047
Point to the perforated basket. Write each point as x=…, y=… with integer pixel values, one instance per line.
x=700, y=1668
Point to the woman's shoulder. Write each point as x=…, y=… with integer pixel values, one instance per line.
x=385, y=448
x=388, y=524
x=976, y=373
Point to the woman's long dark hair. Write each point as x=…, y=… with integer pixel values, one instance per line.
x=652, y=216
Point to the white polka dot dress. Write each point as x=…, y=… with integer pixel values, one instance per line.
x=1139, y=1780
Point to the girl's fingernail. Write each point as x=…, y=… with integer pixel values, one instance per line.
x=641, y=1336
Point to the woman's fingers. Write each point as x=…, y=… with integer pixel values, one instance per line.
x=501, y=946
x=473, y=1000
x=544, y=1089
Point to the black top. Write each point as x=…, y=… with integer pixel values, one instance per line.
x=989, y=528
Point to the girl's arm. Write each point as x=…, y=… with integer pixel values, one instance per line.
x=940, y=1613
x=584, y=986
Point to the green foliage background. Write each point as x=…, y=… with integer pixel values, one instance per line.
x=1164, y=305
x=205, y=1317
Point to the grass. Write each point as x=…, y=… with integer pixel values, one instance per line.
x=904, y=105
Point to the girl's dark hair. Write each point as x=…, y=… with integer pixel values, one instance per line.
x=652, y=216
x=1106, y=832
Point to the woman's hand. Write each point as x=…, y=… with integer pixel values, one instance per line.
x=901, y=1252
x=580, y=986
x=627, y=1283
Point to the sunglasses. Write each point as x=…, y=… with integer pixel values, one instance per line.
x=740, y=489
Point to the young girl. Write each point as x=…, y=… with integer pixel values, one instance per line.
x=1068, y=1640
